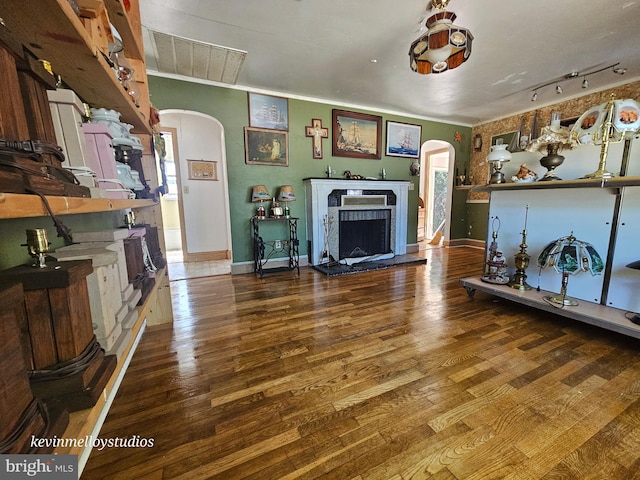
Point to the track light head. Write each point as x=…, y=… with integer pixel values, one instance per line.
x=619, y=70
x=534, y=97
x=585, y=83
x=558, y=89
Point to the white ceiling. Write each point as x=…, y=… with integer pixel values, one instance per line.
x=323, y=50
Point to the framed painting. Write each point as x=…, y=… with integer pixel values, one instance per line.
x=356, y=135
x=267, y=111
x=266, y=147
x=203, y=170
x=403, y=139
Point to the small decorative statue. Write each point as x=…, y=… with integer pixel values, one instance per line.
x=524, y=175
x=350, y=176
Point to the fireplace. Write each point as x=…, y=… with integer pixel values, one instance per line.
x=355, y=218
x=364, y=232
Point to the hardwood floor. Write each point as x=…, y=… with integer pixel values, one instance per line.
x=387, y=375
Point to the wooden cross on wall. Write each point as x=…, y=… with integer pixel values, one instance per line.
x=317, y=132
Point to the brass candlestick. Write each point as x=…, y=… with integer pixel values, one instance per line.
x=522, y=260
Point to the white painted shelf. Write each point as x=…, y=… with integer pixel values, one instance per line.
x=592, y=313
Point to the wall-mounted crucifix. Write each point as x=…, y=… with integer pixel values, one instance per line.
x=317, y=133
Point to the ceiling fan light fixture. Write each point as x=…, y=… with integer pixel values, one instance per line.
x=444, y=46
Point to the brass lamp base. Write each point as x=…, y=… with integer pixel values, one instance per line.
x=600, y=173
x=522, y=262
x=519, y=282
x=563, y=300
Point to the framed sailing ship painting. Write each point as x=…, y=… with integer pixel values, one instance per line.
x=356, y=135
x=267, y=111
x=403, y=139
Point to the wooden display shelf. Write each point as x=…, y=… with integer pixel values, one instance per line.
x=16, y=205
x=592, y=313
x=128, y=26
x=87, y=423
x=52, y=31
x=614, y=182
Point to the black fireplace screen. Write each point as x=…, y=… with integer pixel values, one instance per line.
x=364, y=232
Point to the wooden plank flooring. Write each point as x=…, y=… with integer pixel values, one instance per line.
x=387, y=375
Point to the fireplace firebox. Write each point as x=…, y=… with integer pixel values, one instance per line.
x=364, y=232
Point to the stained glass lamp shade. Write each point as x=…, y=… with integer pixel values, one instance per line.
x=569, y=256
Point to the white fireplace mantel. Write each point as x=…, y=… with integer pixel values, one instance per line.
x=317, y=191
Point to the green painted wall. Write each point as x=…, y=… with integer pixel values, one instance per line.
x=478, y=220
x=230, y=107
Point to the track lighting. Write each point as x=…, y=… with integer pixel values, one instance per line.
x=574, y=74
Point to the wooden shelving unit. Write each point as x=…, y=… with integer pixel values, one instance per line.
x=15, y=205
x=128, y=26
x=52, y=31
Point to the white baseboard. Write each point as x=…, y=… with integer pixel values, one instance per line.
x=239, y=268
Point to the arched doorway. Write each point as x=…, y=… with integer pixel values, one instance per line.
x=437, y=159
x=200, y=198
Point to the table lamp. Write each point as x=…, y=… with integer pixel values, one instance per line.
x=552, y=141
x=286, y=195
x=612, y=121
x=498, y=155
x=260, y=194
x=569, y=256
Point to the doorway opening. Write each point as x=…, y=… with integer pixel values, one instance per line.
x=436, y=187
x=168, y=158
x=194, y=170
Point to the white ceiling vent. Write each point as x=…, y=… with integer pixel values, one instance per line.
x=187, y=57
